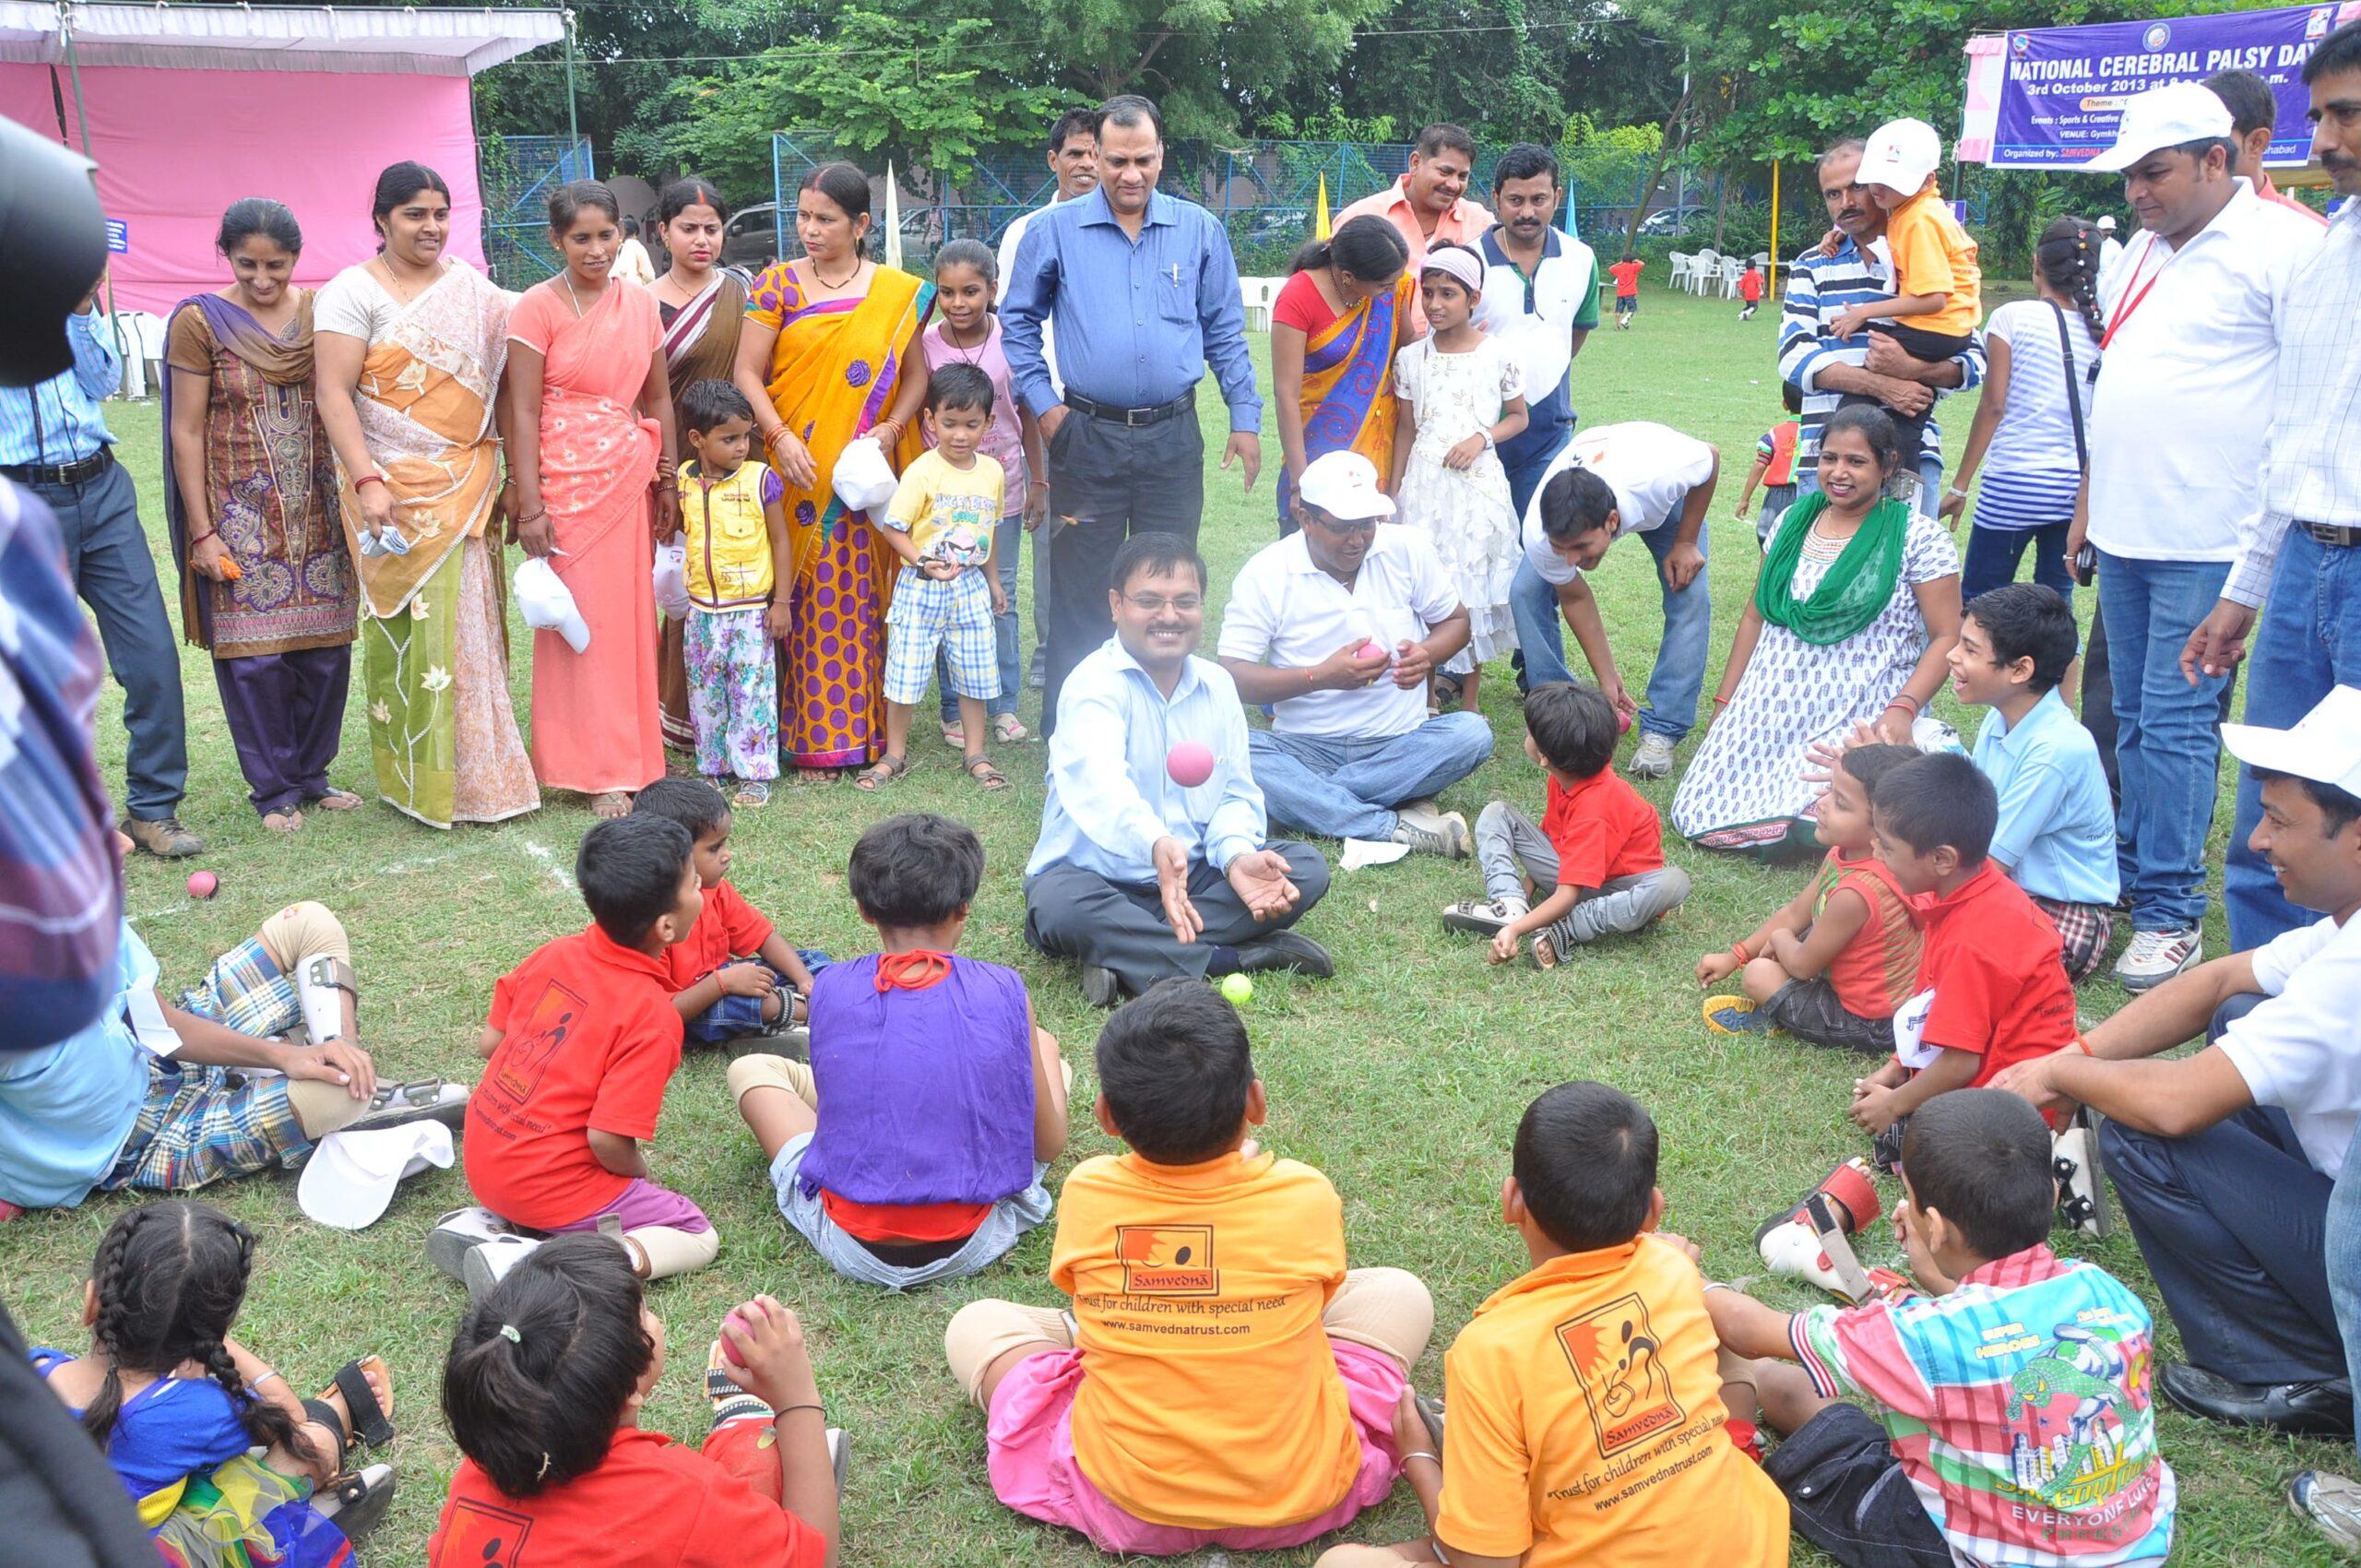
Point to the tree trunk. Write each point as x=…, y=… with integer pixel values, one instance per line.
x=1721, y=207
x=1656, y=172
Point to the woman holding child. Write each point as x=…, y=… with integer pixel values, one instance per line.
x=1337, y=320
x=1855, y=610
x=829, y=352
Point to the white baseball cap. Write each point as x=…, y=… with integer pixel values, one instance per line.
x=1900, y=155
x=2324, y=746
x=2160, y=117
x=1344, y=485
x=2107, y=221
x=350, y=1178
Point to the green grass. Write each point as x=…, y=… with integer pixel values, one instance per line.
x=1401, y=1079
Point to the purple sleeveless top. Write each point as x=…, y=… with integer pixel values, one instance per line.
x=928, y=1094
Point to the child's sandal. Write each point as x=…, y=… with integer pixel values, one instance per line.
x=371, y=1420
x=884, y=771
x=988, y=777
x=356, y=1501
x=751, y=792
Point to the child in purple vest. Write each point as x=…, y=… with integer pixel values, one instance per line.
x=945, y=1103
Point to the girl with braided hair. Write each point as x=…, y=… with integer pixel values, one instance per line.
x=2042, y=358
x=177, y=1404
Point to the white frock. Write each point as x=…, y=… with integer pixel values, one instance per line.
x=1467, y=513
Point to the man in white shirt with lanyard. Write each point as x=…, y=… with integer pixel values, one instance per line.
x=2179, y=413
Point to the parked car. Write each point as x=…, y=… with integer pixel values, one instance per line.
x=1666, y=221
x=750, y=240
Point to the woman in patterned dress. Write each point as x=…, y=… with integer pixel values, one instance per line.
x=1855, y=610
x=250, y=499
x=830, y=353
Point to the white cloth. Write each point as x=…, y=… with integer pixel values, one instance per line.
x=350, y=1178
x=2036, y=431
x=2299, y=1051
x=1468, y=514
x=1286, y=611
x=632, y=262
x=2183, y=404
x=1651, y=467
x=1540, y=330
x=1008, y=242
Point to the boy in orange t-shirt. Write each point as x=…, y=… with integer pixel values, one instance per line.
x=1223, y=1380
x=1584, y=1422
x=733, y=974
x=582, y=1040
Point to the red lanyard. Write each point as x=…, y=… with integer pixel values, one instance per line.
x=2135, y=298
x=914, y=970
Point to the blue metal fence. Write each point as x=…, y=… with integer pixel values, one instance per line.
x=518, y=173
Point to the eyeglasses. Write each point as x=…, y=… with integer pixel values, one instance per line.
x=1156, y=604
x=1343, y=525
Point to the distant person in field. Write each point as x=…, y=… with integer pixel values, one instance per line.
x=1626, y=274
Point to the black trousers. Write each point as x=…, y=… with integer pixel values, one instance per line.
x=1079, y=914
x=1108, y=481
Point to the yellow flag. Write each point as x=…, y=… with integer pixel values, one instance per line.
x=1320, y=224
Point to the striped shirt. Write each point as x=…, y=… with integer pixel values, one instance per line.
x=1820, y=289
x=2034, y=467
x=65, y=410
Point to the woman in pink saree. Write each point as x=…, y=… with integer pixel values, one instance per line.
x=591, y=447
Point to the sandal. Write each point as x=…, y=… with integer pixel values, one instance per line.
x=988, y=777
x=428, y=1099
x=884, y=771
x=370, y=1419
x=1008, y=730
x=608, y=804
x=334, y=799
x=357, y=1501
x=955, y=736
x=817, y=777
x=288, y=821
x=751, y=792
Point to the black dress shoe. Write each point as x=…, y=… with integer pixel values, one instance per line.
x=1285, y=950
x=2322, y=1409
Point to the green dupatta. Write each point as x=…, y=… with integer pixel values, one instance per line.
x=1859, y=583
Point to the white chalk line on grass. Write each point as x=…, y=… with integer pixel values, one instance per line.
x=550, y=863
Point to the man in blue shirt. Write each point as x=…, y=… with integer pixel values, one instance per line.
x=1139, y=874
x=1142, y=290
x=54, y=442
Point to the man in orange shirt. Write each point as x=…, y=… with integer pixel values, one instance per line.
x=2254, y=115
x=1429, y=205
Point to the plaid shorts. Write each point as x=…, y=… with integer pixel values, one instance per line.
x=199, y=1125
x=244, y=991
x=955, y=617
x=2086, y=929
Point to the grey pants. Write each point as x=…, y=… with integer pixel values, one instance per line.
x=1079, y=914
x=1510, y=846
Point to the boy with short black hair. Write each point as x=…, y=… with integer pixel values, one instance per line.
x=582, y=1040
x=2056, y=834
x=727, y=972
x=1223, y=1379
x=1586, y=1421
x=2011, y=1345
x=1991, y=991
x=1600, y=848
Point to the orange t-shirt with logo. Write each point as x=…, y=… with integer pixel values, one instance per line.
x=1209, y=1395
x=1586, y=1424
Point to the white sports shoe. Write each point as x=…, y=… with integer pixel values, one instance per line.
x=1653, y=759
x=487, y=1265
x=1428, y=833
x=2156, y=957
x=459, y=1233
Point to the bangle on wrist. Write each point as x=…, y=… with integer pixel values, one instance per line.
x=360, y=479
x=1905, y=701
x=790, y=1409
x=1955, y=489
x=197, y=539
x=1739, y=948
x=2083, y=1046
x=1420, y=1454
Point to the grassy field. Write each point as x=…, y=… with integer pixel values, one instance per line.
x=1401, y=1079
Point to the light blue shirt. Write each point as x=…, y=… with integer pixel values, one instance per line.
x=66, y=1109
x=1110, y=798
x=2057, y=831
x=1135, y=320
x=67, y=408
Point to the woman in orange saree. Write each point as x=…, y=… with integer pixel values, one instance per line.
x=591, y=439
x=829, y=353
x=1334, y=326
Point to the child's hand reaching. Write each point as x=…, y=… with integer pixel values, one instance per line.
x=1873, y=1109
x=1465, y=454
x=749, y=978
x=1715, y=968
x=1504, y=947
x=1851, y=320
x=766, y=1340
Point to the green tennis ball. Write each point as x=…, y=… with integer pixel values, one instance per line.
x=1238, y=988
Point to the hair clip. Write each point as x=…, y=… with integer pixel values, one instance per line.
x=508, y=1332
x=543, y=1473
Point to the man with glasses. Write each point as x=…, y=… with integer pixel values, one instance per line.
x=1153, y=859
x=1340, y=627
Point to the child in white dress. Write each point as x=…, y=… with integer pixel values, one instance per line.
x=1458, y=394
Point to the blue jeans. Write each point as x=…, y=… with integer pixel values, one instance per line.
x=2166, y=749
x=1005, y=545
x=2308, y=639
x=1524, y=477
x=2344, y=1256
x=741, y=1017
x=1679, y=672
x=1338, y=787
x=1994, y=555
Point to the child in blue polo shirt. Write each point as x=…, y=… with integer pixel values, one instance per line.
x=2056, y=834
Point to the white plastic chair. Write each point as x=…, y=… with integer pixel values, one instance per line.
x=1733, y=267
x=1257, y=294
x=1702, y=271
x=138, y=337
x=1682, y=264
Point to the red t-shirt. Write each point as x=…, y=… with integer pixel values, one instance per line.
x=1627, y=278
x=1601, y=829
x=590, y=1039
x=1992, y=961
x=1299, y=305
x=1749, y=285
x=650, y=1503
x=728, y=927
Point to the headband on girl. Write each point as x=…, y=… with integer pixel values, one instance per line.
x=1459, y=262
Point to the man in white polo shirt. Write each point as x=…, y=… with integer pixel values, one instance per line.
x=1610, y=481
x=1339, y=628
x=2178, y=422
x=2225, y=1161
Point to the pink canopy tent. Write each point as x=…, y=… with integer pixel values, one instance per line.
x=191, y=107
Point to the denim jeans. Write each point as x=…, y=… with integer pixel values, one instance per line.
x=1525, y=472
x=2308, y=640
x=2166, y=748
x=1993, y=555
x=1340, y=787
x=1679, y=672
x=2344, y=1256
x=1005, y=544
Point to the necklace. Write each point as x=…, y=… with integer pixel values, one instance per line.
x=958, y=350
x=400, y=288
x=567, y=279
x=821, y=279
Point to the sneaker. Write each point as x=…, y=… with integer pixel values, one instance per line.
x=487, y=1266
x=2156, y=957
x=1285, y=950
x=459, y=1233
x=1653, y=759
x=1445, y=834
x=840, y=1457
x=1738, y=1016
x=1485, y=917
x=1101, y=986
x=2331, y=1503
x=163, y=837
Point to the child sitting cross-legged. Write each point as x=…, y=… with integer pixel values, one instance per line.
x=582, y=1040
x=913, y=1147
x=1600, y=850
x=543, y=1389
x=1223, y=1379
x=2014, y=1397
x=733, y=974
x=1585, y=1419
x=1834, y=962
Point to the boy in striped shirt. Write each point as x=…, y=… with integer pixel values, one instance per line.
x=2014, y=1395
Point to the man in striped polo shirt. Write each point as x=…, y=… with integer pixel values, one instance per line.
x=1823, y=366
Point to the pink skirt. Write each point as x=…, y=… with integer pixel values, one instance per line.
x=1034, y=1470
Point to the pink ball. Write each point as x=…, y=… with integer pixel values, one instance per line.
x=203, y=884
x=730, y=1351
x=1190, y=764
x=1370, y=650
x=1622, y=721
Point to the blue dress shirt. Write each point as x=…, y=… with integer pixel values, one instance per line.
x=1135, y=320
x=1110, y=798
x=72, y=423
x=67, y=1109
x=2056, y=834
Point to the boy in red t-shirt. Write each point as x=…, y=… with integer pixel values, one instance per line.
x=1835, y=960
x=1992, y=990
x=726, y=972
x=1750, y=292
x=1599, y=849
x=582, y=1040
x=1626, y=274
